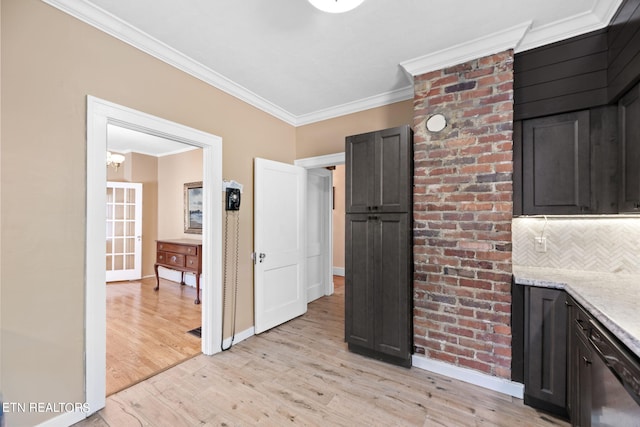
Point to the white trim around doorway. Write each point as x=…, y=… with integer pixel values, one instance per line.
x=100, y=113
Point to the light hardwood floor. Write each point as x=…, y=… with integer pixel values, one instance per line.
x=147, y=330
x=301, y=373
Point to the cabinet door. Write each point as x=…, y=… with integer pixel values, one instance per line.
x=546, y=349
x=359, y=275
x=360, y=158
x=392, y=285
x=581, y=413
x=393, y=174
x=629, y=129
x=556, y=169
x=379, y=171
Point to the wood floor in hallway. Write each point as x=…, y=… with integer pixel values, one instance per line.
x=147, y=331
x=301, y=373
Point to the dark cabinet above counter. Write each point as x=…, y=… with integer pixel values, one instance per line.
x=577, y=122
x=567, y=164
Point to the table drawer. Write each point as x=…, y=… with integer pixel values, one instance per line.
x=192, y=262
x=172, y=259
x=180, y=249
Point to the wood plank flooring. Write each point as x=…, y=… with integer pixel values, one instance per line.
x=147, y=330
x=301, y=373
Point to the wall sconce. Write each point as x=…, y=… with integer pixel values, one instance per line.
x=114, y=160
x=336, y=6
x=436, y=123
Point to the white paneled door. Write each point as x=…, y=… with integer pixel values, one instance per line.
x=279, y=245
x=319, y=201
x=124, y=231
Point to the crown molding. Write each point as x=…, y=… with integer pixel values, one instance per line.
x=599, y=17
x=108, y=23
x=519, y=38
x=493, y=43
x=380, y=100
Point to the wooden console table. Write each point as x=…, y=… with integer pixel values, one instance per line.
x=183, y=255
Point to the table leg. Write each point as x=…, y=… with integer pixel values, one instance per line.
x=155, y=267
x=197, y=301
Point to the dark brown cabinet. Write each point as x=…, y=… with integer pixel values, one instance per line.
x=378, y=245
x=545, y=349
x=379, y=172
x=567, y=163
x=555, y=164
x=579, y=369
x=629, y=132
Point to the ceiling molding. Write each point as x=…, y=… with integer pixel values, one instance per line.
x=125, y=32
x=387, y=98
x=599, y=17
x=467, y=51
x=519, y=38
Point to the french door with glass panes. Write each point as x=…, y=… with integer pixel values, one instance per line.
x=124, y=231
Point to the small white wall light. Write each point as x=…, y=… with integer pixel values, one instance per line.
x=436, y=123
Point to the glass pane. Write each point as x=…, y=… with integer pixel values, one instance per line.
x=118, y=262
x=119, y=212
x=131, y=195
x=118, y=245
x=130, y=264
x=109, y=229
x=109, y=211
x=109, y=246
x=131, y=245
x=119, y=195
x=131, y=228
x=109, y=195
x=131, y=211
x=118, y=228
x=109, y=263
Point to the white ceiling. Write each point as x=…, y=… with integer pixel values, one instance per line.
x=303, y=65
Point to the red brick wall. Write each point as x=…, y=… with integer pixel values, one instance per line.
x=462, y=215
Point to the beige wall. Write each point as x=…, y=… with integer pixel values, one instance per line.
x=173, y=172
x=327, y=137
x=338, y=217
x=50, y=63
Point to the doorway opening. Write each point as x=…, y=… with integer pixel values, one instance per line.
x=147, y=329
x=100, y=114
x=333, y=215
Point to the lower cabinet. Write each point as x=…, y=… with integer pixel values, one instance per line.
x=378, y=289
x=545, y=349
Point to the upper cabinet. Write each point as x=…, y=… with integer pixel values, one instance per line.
x=555, y=174
x=629, y=135
x=378, y=184
x=566, y=164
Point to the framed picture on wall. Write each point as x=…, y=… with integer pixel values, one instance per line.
x=193, y=207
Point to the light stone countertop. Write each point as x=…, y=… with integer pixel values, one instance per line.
x=611, y=298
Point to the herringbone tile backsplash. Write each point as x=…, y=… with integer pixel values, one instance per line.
x=592, y=244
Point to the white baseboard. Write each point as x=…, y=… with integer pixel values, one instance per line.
x=338, y=271
x=240, y=336
x=176, y=276
x=470, y=376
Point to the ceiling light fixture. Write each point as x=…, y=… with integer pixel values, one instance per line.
x=336, y=6
x=114, y=160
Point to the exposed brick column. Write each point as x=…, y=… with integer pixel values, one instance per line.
x=462, y=215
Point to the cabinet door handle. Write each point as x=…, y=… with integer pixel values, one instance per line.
x=586, y=361
x=173, y=258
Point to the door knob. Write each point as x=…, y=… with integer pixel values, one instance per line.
x=262, y=256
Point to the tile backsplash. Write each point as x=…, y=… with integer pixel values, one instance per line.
x=607, y=244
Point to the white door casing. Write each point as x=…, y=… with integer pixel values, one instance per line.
x=124, y=231
x=279, y=243
x=319, y=203
x=101, y=113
